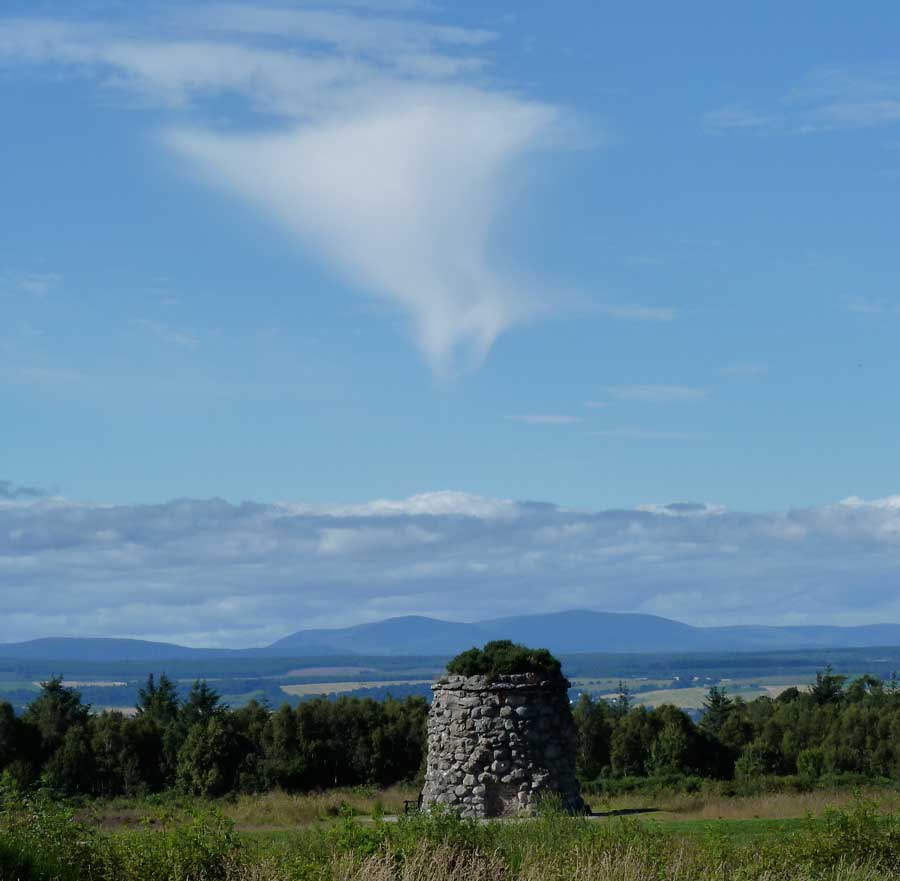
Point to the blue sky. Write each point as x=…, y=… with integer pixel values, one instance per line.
x=599, y=256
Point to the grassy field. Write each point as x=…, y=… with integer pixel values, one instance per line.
x=774, y=806
x=693, y=698
x=341, y=836
x=283, y=820
x=317, y=838
x=284, y=812
x=687, y=694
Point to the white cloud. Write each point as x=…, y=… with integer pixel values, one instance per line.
x=171, y=335
x=11, y=492
x=872, y=306
x=849, y=97
x=648, y=434
x=39, y=283
x=545, y=419
x=400, y=199
x=440, y=503
x=641, y=313
x=381, y=36
x=44, y=376
x=657, y=394
x=337, y=541
x=727, y=119
x=889, y=503
x=744, y=370
x=684, y=509
x=644, y=259
x=180, y=570
x=33, y=284
x=390, y=158
x=827, y=99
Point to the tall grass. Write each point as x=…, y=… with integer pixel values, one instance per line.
x=708, y=805
x=42, y=841
x=280, y=810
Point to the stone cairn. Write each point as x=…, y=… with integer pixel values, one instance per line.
x=495, y=747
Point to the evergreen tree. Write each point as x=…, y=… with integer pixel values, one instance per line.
x=158, y=702
x=631, y=741
x=593, y=729
x=717, y=707
x=202, y=704
x=669, y=752
x=828, y=687
x=864, y=686
x=70, y=770
x=622, y=703
x=110, y=753
x=56, y=710
x=8, y=734
x=147, y=767
x=208, y=759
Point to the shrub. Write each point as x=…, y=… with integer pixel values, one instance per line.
x=503, y=657
x=856, y=835
x=40, y=841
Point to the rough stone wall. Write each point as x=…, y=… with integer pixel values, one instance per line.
x=494, y=748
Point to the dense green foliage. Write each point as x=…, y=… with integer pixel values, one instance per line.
x=833, y=728
x=196, y=746
x=503, y=657
x=199, y=747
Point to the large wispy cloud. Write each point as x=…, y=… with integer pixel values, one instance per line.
x=210, y=572
x=371, y=137
x=400, y=199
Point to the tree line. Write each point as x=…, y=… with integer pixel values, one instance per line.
x=834, y=727
x=197, y=746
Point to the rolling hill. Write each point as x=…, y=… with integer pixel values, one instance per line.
x=101, y=649
x=562, y=632
x=575, y=632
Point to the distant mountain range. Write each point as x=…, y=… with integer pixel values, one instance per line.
x=562, y=632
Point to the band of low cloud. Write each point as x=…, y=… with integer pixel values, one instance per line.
x=210, y=572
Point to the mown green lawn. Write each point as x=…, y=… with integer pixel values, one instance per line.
x=737, y=831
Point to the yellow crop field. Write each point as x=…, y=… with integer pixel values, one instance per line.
x=305, y=689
